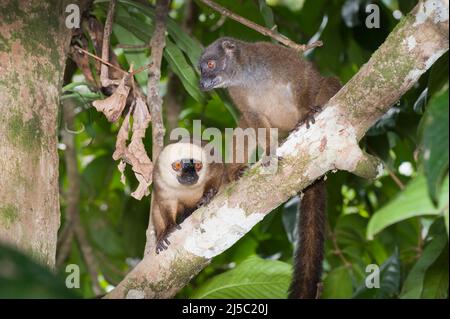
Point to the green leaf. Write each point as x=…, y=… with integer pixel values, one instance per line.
x=436, y=279
x=180, y=67
x=415, y=282
x=412, y=201
x=434, y=138
x=337, y=284
x=252, y=279
x=137, y=58
x=21, y=277
x=125, y=34
x=97, y=175
x=188, y=45
x=438, y=75
x=389, y=281
x=266, y=13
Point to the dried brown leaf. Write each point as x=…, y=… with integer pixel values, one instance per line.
x=113, y=105
x=134, y=154
x=121, y=168
x=122, y=138
x=82, y=62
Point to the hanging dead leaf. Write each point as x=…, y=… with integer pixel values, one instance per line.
x=82, y=61
x=122, y=138
x=134, y=153
x=121, y=168
x=142, y=189
x=114, y=105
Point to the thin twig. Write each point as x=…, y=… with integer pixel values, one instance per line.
x=133, y=46
x=88, y=256
x=99, y=59
x=104, y=73
x=140, y=69
x=267, y=32
x=336, y=250
x=73, y=224
x=64, y=244
x=154, y=101
x=389, y=170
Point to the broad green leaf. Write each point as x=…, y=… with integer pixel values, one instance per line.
x=125, y=36
x=97, y=175
x=389, y=281
x=434, y=133
x=438, y=75
x=187, y=44
x=180, y=67
x=412, y=201
x=102, y=233
x=22, y=277
x=413, y=286
x=137, y=58
x=252, y=279
x=436, y=279
x=337, y=284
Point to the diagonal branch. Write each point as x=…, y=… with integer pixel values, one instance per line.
x=267, y=32
x=332, y=143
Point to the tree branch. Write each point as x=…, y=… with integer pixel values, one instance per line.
x=104, y=72
x=332, y=143
x=267, y=32
x=154, y=101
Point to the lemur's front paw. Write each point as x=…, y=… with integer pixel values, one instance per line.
x=240, y=172
x=163, y=243
x=310, y=117
x=207, y=197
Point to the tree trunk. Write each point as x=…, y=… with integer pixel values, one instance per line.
x=33, y=43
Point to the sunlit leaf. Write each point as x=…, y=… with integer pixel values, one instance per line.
x=252, y=279
x=412, y=201
x=389, y=280
x=184, y=71
x=337, y=284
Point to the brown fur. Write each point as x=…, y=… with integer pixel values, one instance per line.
x=175, y=201
x=274, y=88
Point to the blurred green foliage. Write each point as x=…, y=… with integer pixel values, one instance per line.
x=399, y=222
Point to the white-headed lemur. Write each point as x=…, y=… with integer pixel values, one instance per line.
x=273, y=87
x=184, y=179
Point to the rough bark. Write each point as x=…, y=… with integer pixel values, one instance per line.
x=154, y=100
x=33, y=45
x=332, y=143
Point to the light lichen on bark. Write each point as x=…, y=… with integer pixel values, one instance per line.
x=306, y=156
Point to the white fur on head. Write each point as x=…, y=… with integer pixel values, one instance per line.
x=178, y=151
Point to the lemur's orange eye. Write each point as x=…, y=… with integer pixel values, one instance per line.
x=211, y=64
x=176, y=166
x=198, y=166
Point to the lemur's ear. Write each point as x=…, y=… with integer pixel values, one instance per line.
x=228, y=46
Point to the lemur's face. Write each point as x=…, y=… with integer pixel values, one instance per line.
x=183, y=165
x=217, y=64
x=187, y=170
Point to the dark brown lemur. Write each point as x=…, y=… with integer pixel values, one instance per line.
x=184, y=178
x=273, y=87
